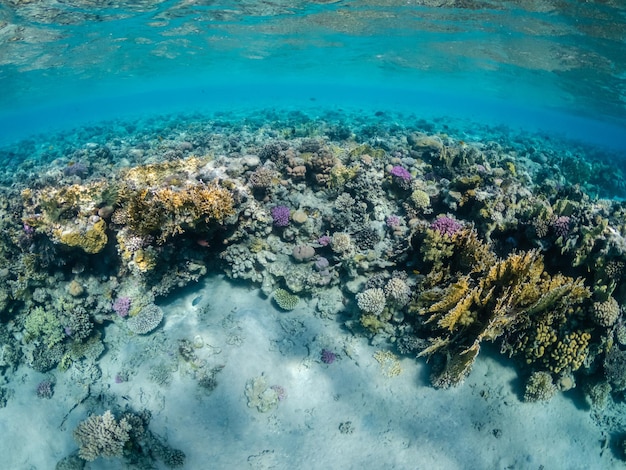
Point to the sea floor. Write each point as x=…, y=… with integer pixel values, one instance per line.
x=352, y=413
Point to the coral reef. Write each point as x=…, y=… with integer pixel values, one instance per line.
x=423, y=242
x=261, y=396
x=371, y=301
x=606, y=313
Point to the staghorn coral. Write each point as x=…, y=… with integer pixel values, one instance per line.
x=102, y=436
x=389, y=363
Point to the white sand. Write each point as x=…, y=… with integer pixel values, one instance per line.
x=397, y=422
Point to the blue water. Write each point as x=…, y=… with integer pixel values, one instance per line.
x=558, y=69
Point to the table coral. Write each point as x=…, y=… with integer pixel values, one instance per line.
x=146, y=320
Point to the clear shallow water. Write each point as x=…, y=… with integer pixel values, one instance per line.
x=539, y=65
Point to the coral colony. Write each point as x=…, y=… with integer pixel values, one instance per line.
x=433, y=245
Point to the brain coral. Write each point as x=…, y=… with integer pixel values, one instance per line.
x=146, y=320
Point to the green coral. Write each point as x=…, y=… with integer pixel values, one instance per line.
x=43, y=324
x=421, y=200
x=285, y=300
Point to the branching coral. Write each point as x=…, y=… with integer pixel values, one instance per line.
x=101, y=436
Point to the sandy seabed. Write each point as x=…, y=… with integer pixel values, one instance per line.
x=351, y=413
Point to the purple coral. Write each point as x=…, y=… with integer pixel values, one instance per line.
x=321, y=263
x=324, y=240
x=281, y=393
x=446, y=226
x=75, y=169
x=393, y=221
x=280, y=214
x=121, y=306
x=400, y=173
x=561, y=226
x=45, y=389
x=328, y=357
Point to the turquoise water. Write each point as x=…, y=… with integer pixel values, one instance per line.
x=232, y=232
x=558, y=68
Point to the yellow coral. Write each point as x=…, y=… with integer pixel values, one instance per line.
x=570, y=353
x=341, y=174
x=389, y=363
x=511, y=295
x=144, y=260
x=156, y=174
x=168, y=212
x=91, y=239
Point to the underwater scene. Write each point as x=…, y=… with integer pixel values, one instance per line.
x=375, y=234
